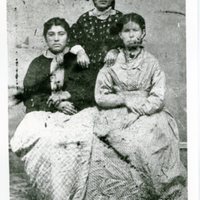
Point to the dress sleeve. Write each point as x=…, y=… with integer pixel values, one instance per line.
x=32, y=78
x=155, y=101
x=104, y=93
x=33, y=99
x=77, y=33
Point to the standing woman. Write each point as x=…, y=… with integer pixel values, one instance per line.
x=91, y=40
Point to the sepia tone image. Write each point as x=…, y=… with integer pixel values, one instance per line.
x=97, y=99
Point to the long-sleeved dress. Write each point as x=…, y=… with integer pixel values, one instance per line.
x=150, y=142
x=49, y=142
x=95, y=154
x=37, y=88
x=93, y=34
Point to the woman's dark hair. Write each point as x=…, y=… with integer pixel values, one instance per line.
x=134, y=17
x=56, y=21
x=112, y=4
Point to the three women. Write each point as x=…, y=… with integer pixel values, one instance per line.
x=131, y=119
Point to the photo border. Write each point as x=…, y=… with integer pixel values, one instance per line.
x=193, y=100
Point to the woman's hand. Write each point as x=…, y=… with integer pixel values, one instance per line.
x=57, y=97
x=134, y=106
x=83, y=59
x=111, y=57
x=66, y=107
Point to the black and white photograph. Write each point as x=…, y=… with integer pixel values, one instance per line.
x=98, y=100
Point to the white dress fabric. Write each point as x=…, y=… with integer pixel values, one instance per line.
x=107, y=154
x=55, y=152
x=148, y=143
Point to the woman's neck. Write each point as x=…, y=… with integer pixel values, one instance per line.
x=103, y=9
x=102, y=14
x=49, y=54
x=52, y=54
x=133, y=52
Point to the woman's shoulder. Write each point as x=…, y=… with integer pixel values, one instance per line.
x=40, y=58
x=149, y=57
x=105, y=70
x=109, y=70
x=118, y=12
x=151, y=61
x=39, y=61
x=115, y=16
x=84, y=16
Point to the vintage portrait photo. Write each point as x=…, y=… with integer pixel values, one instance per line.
x=97, y=99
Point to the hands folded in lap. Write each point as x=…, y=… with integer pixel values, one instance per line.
x=60, y=101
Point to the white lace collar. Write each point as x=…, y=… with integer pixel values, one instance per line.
x=102, y=14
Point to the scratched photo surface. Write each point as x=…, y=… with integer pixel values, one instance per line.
x=165, y=39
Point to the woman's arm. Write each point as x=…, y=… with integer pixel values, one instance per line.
x=104, y=91
x=34, y=78
x=31, y=78
x=77, y=42
x=77, y=36
x=155, y=100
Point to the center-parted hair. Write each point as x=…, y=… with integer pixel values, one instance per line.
x=133, y=17
x=56, y=21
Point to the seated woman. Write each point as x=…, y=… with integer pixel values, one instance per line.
x=133, y=120
x=60, y=151
x=46, y=81
x=54, y=145
x=48, y=139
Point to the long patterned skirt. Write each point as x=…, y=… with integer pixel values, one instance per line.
x=96, y=155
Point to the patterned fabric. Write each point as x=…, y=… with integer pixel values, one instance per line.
x=57, y=152
x=94, y=36
x=112, y=178
x=92, y=155
x=102, y=14
x=149, y=143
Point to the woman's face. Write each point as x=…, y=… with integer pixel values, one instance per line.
x=131, y=34
x=56, y=39
x=102, y=4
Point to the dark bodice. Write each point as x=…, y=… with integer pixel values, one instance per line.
x=37, y=85
x=94, y=36
x=76, y=81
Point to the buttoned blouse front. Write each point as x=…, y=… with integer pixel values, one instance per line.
x=140, y=74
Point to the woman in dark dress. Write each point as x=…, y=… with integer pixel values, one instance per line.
x=55, y=145
x=91, y=41
x=46, y=79
x=48, y=139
